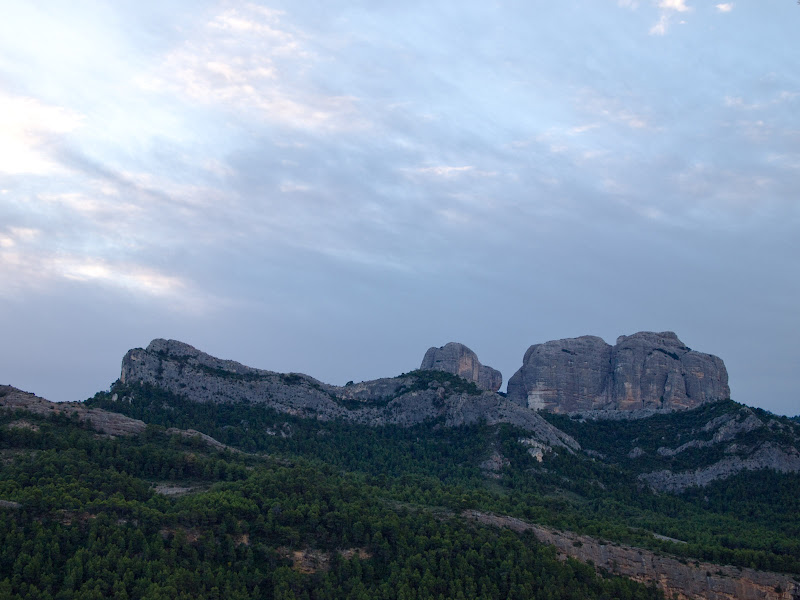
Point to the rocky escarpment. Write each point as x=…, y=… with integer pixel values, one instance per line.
x=643, y=371
x=675, y=577
x=459, y=360
x=405, y=400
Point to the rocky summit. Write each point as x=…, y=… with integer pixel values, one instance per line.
x=459, y=360
x=406, y=400
x=643, y=371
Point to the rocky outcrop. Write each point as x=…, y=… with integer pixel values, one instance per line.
x=643, y=371
x=406, y=400
x=459, y=360
x=676, y=578
x=104, y=421
x=765, y=456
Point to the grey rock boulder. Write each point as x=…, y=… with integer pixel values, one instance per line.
x=459, y=360
x=643, y=371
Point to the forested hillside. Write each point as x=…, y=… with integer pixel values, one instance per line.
x=303, y=508
x=430, y=465
x=157, y=516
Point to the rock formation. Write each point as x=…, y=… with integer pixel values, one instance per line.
x=406, y=400
x=458, y=359
x=645, y=370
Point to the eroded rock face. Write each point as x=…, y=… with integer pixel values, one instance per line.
x=645, y=370
x=459, y=360
x=186, y=371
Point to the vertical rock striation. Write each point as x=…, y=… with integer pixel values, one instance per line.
x=645, y=370
x=459, y=360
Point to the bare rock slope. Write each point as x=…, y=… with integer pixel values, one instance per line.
x=675, y=577
x=645, y=370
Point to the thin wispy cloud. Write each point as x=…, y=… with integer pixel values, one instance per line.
x=248, y=59
x=668, y=10
x=28, y=129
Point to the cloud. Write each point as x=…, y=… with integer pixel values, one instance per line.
x=25, y=266
x=28, y=129
x=130, y=277
x=248, y=60
x=675, y=5
x=611, y=110
x=668, y=9
x=778, y=99
x=444, y=171
x=725, y=7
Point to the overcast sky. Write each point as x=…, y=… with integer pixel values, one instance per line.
x=334, y=187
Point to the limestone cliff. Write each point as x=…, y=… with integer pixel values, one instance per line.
x=458, y=359
x=642, y=371
x=405, y=400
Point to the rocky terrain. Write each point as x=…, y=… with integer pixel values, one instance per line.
x=405, y=400
x=673, y=452
x=729, y=432
x=562, y=376
x=459, y=360
x=646, y=370
x=106, y=422
x=683, y=580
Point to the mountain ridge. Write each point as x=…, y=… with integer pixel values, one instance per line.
x=404, y=400
x=432, y=438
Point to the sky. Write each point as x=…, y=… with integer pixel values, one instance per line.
x=334, y=187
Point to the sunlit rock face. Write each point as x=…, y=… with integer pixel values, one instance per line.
x=645, y=370
x=459, y=360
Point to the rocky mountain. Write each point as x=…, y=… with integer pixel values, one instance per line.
x=406, y=400
x=459, y=360
x=564, y=376
x=666, y=497
x=643, y=371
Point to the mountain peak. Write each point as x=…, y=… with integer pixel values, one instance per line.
x=645, y=370
x=459, y=360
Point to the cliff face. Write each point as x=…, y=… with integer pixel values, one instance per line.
x=406, y=400
x=641, y=371
x=459, y=360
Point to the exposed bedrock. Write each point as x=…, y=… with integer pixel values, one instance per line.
x=459, y=360
x=645, y=370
